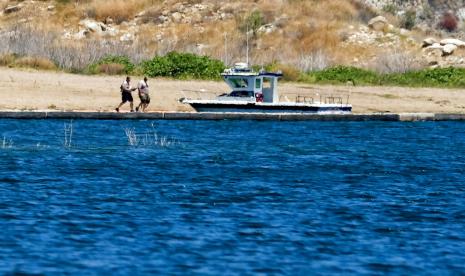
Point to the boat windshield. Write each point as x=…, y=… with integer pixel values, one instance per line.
x=239, y=82
x=241, y=94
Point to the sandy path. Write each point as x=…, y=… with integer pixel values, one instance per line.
x=33, y=90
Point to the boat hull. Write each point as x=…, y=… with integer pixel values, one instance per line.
x=253, y=108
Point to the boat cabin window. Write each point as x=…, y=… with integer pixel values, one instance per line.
x=266, y=82
x=258, y=83
x=239, y=82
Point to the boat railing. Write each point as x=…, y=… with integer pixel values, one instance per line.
x=201, y=94
x=319, y=98
x=304, y=99
x=333, y=100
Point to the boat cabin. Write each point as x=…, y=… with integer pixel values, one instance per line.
x=245, y=83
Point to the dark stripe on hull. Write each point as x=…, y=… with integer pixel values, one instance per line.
x=268, y=109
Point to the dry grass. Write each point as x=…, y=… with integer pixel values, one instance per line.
x=397, y=61
x=308, y=33
x=7, y=59
x=118, y=10
x=36, y=63
x=111, y=69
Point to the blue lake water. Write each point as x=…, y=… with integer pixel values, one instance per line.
x=231, y=197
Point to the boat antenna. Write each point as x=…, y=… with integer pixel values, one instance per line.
x=247, y=35
x=226, y=49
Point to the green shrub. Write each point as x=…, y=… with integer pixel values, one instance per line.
x=390, y=8
x=344, y=74
x=253, y=22
x=438, y=77
x=183, y=65
x=111, y=61
x=409, y=19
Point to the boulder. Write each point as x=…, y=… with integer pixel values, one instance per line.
x=110, y=31
x=434, y=46
x=127, y=38
x=461, y=14
x=266, y=29
x=108, y=20
x=378, y=23
x=51, y=8
x=435, y=50
x=11, y=9
x=456, y=42
x=428, y=42
x=81, y=34
x=92, y=26
x=448, y=49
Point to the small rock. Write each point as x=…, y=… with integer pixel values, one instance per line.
x=176, y=17
x=51, y=8
x=11, y=9
x=378, y=23
x=81, y=34
x=404, y=32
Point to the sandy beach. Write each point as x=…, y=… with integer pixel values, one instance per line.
x=42, y=90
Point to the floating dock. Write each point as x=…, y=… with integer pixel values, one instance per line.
x=401, y=117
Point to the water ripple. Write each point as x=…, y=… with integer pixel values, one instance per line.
x=232, y=197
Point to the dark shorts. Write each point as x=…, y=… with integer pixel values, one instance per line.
x=144, y=98
x=126, y=97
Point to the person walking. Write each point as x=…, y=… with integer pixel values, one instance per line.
x=144, y=96
x=126, y=95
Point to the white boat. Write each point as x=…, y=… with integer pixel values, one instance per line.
x=257, y=92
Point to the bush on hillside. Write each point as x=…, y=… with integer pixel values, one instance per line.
x=449, y=22
x=390, y=8
x=183, y=65
x=438, y=77
x=112, y=65
x=253, y=22
x=409, y=19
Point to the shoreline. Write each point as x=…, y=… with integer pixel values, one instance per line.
x=391, y=117
x=32, y=90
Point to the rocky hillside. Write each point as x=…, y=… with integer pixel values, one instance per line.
x=385, y=35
